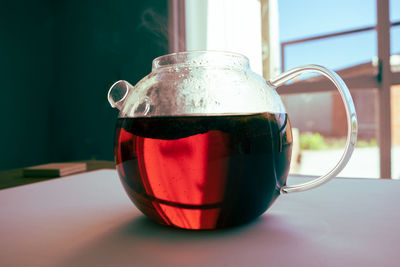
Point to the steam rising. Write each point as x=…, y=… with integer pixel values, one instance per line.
x=156, y=25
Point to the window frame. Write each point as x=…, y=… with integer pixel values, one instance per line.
x=381, y=81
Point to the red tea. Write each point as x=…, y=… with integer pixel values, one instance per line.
x=203, y=172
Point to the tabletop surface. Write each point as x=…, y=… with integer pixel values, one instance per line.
x=87, y=220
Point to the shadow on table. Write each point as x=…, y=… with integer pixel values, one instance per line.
x=141, y=242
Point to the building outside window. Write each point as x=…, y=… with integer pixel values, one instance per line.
x=351, y=37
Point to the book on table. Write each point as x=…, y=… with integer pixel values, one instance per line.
x=54, y=169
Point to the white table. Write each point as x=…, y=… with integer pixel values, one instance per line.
x=87, y=220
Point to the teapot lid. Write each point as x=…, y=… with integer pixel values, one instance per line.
x=197, y=83
x=201, y=58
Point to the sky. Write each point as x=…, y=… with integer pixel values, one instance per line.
x=306, y=18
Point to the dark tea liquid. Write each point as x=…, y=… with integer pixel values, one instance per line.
x=203, y=172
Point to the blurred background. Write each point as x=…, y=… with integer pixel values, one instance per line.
x=58, y=59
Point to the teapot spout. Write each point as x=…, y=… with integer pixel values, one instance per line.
x=117, y=93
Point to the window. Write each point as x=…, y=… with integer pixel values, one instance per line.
x=230, y=25
x=352, y=37
x=356, y=46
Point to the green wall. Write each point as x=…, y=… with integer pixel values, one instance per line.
x=57, y=61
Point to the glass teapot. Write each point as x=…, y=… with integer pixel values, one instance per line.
x=203, y=142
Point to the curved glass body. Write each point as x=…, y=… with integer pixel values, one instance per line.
x=202, y=142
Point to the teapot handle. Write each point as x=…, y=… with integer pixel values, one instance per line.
x=351, y=122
